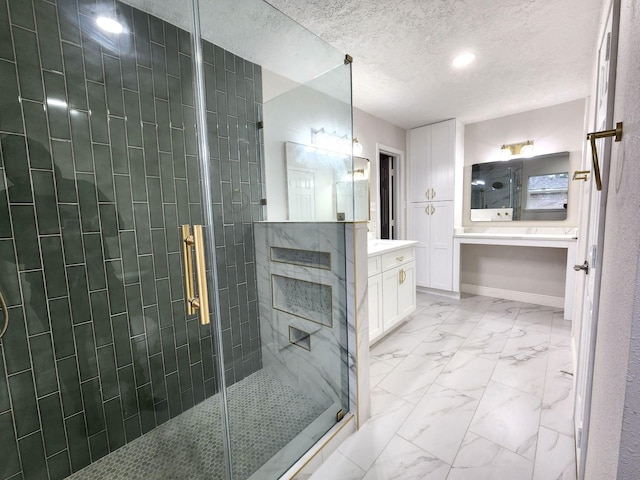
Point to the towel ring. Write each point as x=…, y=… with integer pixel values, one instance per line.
x=6, y=315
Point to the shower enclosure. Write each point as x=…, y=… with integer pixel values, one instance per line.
x=135, y=138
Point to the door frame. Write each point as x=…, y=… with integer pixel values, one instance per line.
x=400, y=190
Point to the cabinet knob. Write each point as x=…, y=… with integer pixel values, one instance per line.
x=400, y=258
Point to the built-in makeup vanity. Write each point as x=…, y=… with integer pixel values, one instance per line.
x=392, y=284
x=516, y=265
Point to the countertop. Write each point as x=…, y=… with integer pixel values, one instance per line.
x=376, y=246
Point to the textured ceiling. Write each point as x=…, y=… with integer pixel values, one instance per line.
x=530, y=53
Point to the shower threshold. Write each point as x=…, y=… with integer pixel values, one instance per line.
x=272, y=424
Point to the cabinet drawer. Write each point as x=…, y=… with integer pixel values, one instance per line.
x=374, y=265
x=397, y=257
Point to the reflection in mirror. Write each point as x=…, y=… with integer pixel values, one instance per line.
x=533, y=188
x=352, y=191
x=326, y=186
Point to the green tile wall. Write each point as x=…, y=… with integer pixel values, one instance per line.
x=100, y=350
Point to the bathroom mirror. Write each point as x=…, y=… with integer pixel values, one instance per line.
x=533, y=188
x=326, y=186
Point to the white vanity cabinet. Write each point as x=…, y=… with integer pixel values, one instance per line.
x=392, y=285
x=431, y=153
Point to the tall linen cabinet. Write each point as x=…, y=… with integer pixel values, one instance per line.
x=432, y=151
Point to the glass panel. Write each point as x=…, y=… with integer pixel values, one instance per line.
x=282, y=289
x=98, y=168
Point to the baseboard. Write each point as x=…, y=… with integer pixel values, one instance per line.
x=526, y=297
x=435, y=291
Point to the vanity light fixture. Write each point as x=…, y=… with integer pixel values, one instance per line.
x=109, y=25
x=522, y=149
x=331, y=142
x=357, y=147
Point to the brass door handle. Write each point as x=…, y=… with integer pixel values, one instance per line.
x=402, y=276
x=617, y=133
x=193, y=245
x=5, y=324
x=426, y=210
x=433, y=210
x=426, y=194
x=433, y=193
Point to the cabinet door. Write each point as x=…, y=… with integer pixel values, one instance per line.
x=443, y=144
x=375, y=307
x=419, y=148
x=407, y=290
x=390, y=281
x=441, y=246
x=418, y=225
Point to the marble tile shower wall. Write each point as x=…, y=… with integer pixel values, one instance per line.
x=93, y=187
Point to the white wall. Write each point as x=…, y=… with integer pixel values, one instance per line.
x=614, y=440
x=558, y=128
x=374, y=132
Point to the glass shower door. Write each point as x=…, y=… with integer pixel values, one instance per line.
x=98, y=169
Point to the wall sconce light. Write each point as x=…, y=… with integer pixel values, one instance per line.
x=357, y=147
x=522, y=149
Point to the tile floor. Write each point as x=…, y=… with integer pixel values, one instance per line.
x=477, y=388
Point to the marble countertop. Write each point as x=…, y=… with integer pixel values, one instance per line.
x=377, y=246
x=517, y=236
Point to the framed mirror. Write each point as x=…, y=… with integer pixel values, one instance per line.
x=533, y=188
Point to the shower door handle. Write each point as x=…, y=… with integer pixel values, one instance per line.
x=193, y=246
x=5, y=312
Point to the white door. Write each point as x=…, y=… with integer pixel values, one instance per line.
x=302, y=195
x=419, y=145
x=418, y=227
x=441, y=246
x=594, y=245
x=443, y=141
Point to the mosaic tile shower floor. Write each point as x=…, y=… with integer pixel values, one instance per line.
x=265, y=414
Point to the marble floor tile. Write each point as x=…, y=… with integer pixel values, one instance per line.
x=439, y=344
x=412, y=377
x=387, y=415
x=439, y=422
x=338, y=467
x=402, y=460
x=480, y=459
x=555, y=456
x=467, y=389
x=509, y=418
x=496, y=323
x=394, y=348
x=378, y=369
x=558, y=398
x=467, y=373
x=525, y=371
x=485, y=343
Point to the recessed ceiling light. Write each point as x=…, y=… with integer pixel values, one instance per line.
x=109, y=24
x=464, y=59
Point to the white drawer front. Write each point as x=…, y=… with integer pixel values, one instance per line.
x=374, y=265
x=397, y=257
